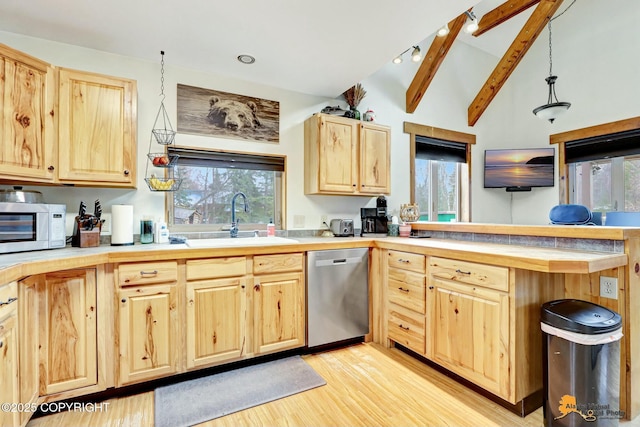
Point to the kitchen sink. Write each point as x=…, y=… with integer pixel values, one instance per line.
x=239, y=241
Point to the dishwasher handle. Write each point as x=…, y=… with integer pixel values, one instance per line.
x=337, y=261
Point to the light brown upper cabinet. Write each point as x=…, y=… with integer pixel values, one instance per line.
x=61, y=126
x=97, y=129
x=346, y=156
x=27, y=118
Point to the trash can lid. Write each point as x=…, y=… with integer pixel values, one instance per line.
x=580, y=316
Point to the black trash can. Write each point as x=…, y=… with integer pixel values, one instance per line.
x=581, y=344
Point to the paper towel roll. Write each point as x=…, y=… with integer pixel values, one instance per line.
x=121, y=225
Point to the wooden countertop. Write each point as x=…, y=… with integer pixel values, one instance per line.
x=567, y=231
x=550, y=260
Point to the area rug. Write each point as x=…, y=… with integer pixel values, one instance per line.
x=202, y=399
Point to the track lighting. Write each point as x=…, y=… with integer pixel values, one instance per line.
x=443, y=31
x=472, y=25
x=415, y=55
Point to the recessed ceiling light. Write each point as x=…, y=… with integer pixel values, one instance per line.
x=246, y=59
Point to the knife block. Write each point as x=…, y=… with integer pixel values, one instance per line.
x=85, y=238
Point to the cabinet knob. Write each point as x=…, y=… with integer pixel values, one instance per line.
x=430, y=287
x=126, y=172
x=123, y=300
x=1, y=344
x=51, y=168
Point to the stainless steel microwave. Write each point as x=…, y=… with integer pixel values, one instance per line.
x=31, y=226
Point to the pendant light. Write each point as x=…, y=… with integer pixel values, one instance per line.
x=553, y=108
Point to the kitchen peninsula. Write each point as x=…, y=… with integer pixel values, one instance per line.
x=97, y=288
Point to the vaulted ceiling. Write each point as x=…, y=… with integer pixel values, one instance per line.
x=543, y=12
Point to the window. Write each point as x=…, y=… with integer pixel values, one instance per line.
x=211, y=178
x=440, y=172
x=603, y=166
x=607, y=184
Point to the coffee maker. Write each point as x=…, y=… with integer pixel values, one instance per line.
x=374, y=220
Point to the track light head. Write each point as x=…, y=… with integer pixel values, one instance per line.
x=397, y=59
x=472, y=25
x=416, y=56
x=443, y=31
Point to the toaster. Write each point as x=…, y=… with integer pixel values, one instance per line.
x=342, y=227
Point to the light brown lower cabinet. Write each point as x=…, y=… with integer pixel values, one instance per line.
x=9, y=384
x=28, y=321
x=216, y=310
x=148, y=321
x=67, y=332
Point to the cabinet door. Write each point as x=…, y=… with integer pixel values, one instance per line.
x=27, y=125
x=338, y=161
x=216, y=319
x=97, y=129
x=9, y=391
x=470, y=328
x=147, y=332
x=28, y=321
x=375, y=173
x=279, y=311
x=67, y=335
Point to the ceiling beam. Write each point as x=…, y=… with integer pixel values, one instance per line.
x=523, y=41
x=502, y=13
x=431, y=62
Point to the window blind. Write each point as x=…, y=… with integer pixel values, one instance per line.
x=221, y=159
x=428, y=148
x=618, y=144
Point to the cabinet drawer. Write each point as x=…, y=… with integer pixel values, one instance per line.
x=407, y=328
x=214, y=268
x=471, y=273
x=407, y=289
x=143, y=273
x=407, y=261
x=8, y=298
x=277, y=263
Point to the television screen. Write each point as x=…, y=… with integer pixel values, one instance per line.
x=519, y=168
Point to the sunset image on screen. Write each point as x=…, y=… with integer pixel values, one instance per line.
x=519, y=168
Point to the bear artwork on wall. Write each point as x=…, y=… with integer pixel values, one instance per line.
x=214, y=113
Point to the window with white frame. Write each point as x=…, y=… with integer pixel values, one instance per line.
x=210, y=179
x=440, y=173
x=604, y=171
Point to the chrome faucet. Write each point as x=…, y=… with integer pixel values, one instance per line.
x=233, y=231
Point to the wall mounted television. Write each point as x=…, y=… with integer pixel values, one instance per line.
x=519, y=169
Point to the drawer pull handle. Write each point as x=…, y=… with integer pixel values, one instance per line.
x=403, y=289
x=403, y=260
x=406, y=328
x=9, y=301
x=463, y=272
x=430, y=287
x=149, y=273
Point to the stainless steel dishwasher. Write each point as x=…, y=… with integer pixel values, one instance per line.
x=337, y=295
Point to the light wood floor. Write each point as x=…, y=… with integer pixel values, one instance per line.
x=367, y=385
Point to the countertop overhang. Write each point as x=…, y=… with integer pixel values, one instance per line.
x=548, y=260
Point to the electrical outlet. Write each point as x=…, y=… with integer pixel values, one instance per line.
x=106, y=225
x=324, y=221
x=609, y=287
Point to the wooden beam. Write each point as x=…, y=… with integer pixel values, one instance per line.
x=431, y=62
x=502, y=13
x=523, y=41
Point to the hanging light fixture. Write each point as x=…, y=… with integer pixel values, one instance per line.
x=553, y=108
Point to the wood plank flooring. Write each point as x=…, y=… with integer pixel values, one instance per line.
x=367, y=385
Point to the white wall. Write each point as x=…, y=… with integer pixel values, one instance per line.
x=595, y=57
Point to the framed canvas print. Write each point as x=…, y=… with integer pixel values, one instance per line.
x=211, y=112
